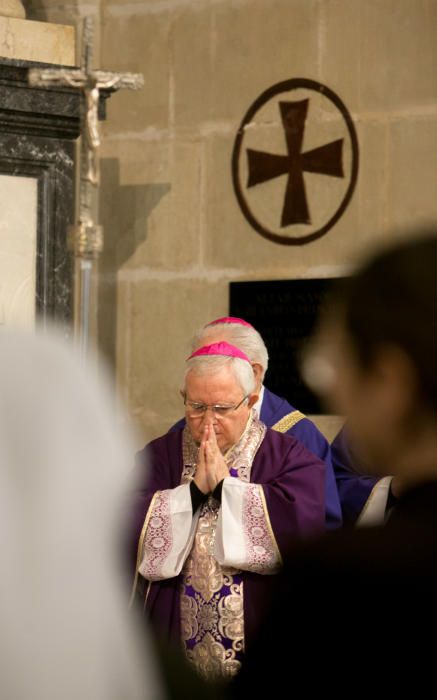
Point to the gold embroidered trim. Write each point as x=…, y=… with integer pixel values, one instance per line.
x=212, y=660
x=242, y=454
x=201, y=570
x=209, y=616
x=269, y=524
x=228, y=452
x=190, y=452
x=140, y=546
x=288, y=422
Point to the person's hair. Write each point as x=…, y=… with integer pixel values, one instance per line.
x=392, y=300
x=210, y=364
x=243, y=337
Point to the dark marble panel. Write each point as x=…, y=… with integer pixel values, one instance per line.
x=285, y=313
x=38, y=128
x=53, y=111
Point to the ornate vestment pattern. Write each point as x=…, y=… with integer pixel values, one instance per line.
x=158, y=537
x=212, y=613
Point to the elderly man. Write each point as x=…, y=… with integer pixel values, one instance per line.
x=218, y=502
x=273, y=410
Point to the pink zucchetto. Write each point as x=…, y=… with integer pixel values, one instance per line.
x=230, y=319
x=221, y=348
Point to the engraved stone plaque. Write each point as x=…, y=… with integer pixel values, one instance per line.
x=285, y=313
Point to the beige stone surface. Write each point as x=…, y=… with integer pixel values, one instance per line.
x=225, y=54
x=62, y=11
x=258, y=44
x=155, y=218
x=12, y=8
x=37, y=41
x=175, y=236
x=138, y=44
x=412, y=152
x=382, y=54
x=192, y=55
x=234, y=245
x=398, y=53
x=18, y=232
x=339, y=49
x=154, y=343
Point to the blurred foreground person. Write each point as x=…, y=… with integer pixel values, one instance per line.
x=217, y=501
x=65, y=633
x=375, y=358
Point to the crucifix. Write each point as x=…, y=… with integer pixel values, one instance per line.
x=86, y=237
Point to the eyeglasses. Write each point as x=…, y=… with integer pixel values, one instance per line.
x=196, y=410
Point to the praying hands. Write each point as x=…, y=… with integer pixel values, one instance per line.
x=211, y=467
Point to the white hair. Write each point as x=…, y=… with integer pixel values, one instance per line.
x=211, y=364
x=245, y=338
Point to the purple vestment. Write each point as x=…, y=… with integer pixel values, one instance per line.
x=273, y=409
x=293, y=488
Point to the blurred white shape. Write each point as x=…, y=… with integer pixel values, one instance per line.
x=318, y=373
x=65, y=631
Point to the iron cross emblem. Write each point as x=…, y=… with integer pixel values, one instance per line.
x=336, y=158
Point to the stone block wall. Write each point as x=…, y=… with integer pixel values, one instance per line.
x=175, y=235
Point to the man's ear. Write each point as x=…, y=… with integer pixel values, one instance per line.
x=258, y=372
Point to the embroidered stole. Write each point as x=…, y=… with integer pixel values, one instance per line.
x=212, y=615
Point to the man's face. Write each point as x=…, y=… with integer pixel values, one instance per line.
x=219, y=389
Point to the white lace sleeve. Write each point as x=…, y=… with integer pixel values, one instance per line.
x=168, y=534
x=244, y=536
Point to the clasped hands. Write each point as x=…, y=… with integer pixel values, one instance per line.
x=211, y=466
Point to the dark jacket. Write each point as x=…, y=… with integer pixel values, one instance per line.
x=377, y=636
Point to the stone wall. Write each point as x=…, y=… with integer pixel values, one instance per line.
x=175, y=235
x=69, y=12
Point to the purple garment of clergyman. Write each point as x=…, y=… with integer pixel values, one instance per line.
x=273, y=409
x=293, y=481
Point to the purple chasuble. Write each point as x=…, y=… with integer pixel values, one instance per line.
x=221, y=613
x=212, y=614
x=273, y=409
